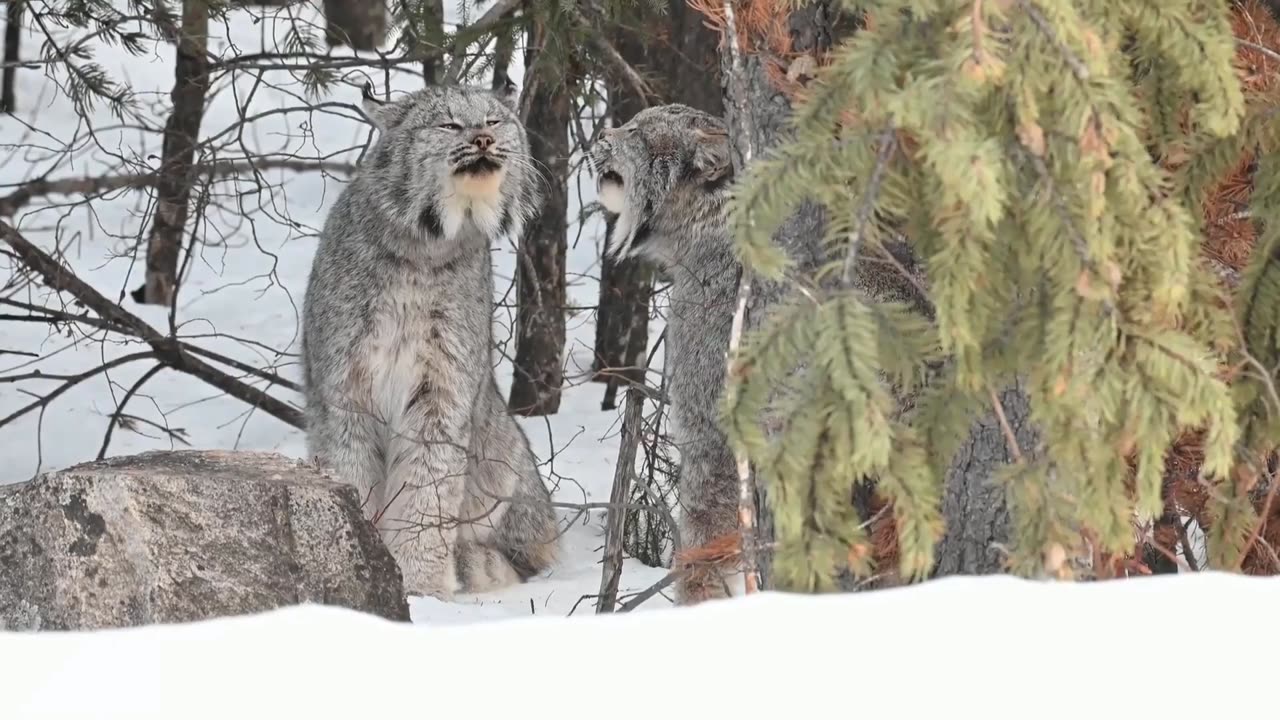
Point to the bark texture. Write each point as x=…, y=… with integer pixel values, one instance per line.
x=757, y=112
x=177, y=165
x=359, y=24
x=167, y=537
x=976, y=512
x=12, y=41
x=540, y=262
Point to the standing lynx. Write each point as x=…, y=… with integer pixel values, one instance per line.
x=666, y=175
x=397, y=340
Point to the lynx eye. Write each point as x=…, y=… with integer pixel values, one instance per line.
x=492, y=123
x=450, y=126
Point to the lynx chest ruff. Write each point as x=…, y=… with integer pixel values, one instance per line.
x=426, y=351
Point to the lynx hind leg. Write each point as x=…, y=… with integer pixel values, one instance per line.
x=708, y=523
x=425, y=485
x=527, y=534
x=482, y=568
x=519, y=531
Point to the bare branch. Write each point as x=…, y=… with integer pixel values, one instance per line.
x=165, y=349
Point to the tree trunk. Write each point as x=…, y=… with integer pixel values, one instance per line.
x=12, y=39
x=689, y=69
x=540, y=262
x=757, y=113
x=503, y=49
x=177, y=164
x=359, y=24
x=975, y=510
x=622, y=322
x=622, y=315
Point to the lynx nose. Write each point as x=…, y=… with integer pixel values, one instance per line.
x=483, y=141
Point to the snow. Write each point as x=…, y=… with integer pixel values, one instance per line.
x=243, y=297
x=990, y=647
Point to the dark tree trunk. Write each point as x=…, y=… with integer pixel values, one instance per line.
x=757, y=113
x=359, y=24
x=12, y=39
x=689, y=72
x=975, y=510
x=540, y=270
x=691, y=66
x=177, y=164
x=622, y=323
x=503, y=50
x=622, y=315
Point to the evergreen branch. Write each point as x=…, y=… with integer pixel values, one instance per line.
x=628, y=73
x=1078, y=68
x=887, y=143
x=465, y=36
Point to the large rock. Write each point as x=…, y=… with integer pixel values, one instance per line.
x=183, y=536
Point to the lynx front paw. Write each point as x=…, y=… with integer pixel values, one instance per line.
x=430, y=579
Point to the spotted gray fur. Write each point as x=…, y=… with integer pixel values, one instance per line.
x=397, y=343
x=666, y=174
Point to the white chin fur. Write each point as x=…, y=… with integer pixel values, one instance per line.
x=476, y=196
x=479, y=188
x=611, y=196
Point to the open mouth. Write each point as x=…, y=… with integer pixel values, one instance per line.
x=610, y=177
x=482, y=165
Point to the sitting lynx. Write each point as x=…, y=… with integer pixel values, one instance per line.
x=666, y=175
x=397, y=339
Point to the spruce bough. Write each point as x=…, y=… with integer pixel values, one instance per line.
x=1048, y=161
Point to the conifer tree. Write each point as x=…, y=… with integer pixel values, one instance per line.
x=1049, y=162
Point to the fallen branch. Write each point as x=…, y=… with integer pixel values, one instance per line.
x=167, y=350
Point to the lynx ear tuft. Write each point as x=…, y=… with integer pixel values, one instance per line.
x=507, y=92
x=381, y=113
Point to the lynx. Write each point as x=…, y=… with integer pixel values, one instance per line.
x=397, y=339
x=666, y=175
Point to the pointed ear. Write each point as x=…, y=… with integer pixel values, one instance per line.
x=507, y=92
x=381, y=113
x=711, y=153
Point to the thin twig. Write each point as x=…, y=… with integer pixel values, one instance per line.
x=1009, y=436
x=886, y=142
x=650, y=591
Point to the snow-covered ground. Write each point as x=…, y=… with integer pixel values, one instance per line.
x=243, y=297
x=1192, y=645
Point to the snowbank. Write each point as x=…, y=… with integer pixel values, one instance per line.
x=993, y=647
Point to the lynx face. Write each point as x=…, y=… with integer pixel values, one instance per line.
x=653, y=170
x=448, y=154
